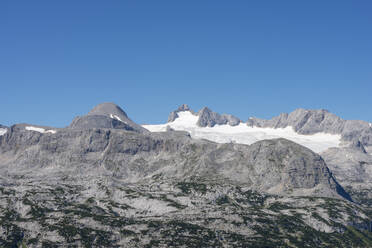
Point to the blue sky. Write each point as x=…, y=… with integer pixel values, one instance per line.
x=249, y=58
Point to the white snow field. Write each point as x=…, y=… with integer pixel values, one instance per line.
x=244, y=134
x=39, y=129
x=3, y=131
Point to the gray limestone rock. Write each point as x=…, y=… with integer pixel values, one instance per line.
x=303, y=121
x=208, y=118
x=231, y=120
x=102, y=183
x=23, y=126
x=184, y=107
x=313, y=121
x=108, y=109
x=173, y=115
x=357, y=130
x=283, y=165
x=106, y=115
x=352, y=167
x=99, y=121
x=358, y=146
x=275, y=166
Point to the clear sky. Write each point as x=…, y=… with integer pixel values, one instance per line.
x=58, y=59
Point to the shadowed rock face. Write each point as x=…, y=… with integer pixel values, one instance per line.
x=106, y=115
x=352, y=167
x=313, y=121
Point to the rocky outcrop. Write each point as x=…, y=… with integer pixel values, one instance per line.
x=354, y=130
x=173, y=115
x=208, y=118
x=33, y=128
x=313, y=121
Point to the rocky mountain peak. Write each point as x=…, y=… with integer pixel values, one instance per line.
x=205, y=110
x=184, y=107
x=209, y=118
x=106, y=115
x=108, y=109
x=173, y=115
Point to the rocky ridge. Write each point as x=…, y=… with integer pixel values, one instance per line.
x=350, y=162
x=100, y=183
x=274, y=166
x=306, y=121
x=303, y=121
x=206, y=117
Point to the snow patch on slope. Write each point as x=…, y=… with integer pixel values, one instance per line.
x=112, y=116
x=244, y=134
x=3, y=131
x=39, y=129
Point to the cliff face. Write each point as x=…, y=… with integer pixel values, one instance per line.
x=277, y=166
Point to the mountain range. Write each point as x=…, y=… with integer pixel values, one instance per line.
x=202, y=179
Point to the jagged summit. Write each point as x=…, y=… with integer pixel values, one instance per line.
x=315, y=129
x=207, y=118
x=303, y=121
x=182, y=108
x=106, y=115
